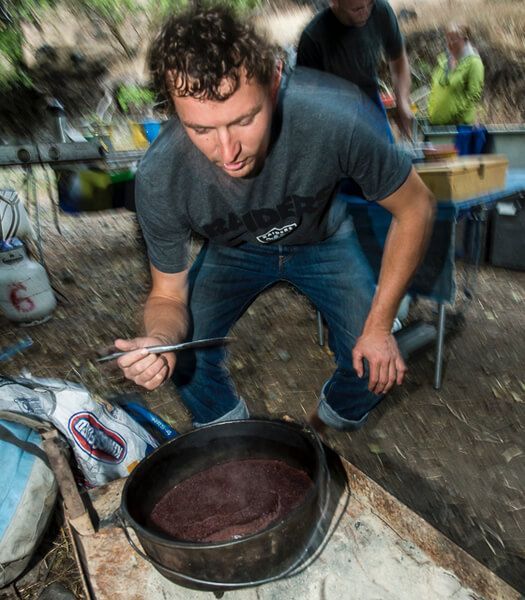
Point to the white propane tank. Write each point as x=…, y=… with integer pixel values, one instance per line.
x=25, y=292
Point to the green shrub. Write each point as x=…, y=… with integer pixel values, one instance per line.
x=134, y=99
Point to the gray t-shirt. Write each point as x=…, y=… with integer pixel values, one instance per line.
x=352, y=53
x=323, y=130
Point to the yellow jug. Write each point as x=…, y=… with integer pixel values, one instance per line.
x=137, y=135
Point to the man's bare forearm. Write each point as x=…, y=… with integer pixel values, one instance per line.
x=404, y=249
x=166, y=319
x=401, y=79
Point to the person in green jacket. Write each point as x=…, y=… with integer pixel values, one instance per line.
x=457, y=81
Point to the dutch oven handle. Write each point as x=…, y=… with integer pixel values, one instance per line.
x=227, y=586
x=124, y=527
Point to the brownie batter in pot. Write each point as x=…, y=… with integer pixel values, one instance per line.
x=230, y=500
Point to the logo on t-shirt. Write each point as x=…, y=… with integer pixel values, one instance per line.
x=300, y=210
x=276, y=233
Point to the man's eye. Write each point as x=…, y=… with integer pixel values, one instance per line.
x=247, y=121
x=201, y=130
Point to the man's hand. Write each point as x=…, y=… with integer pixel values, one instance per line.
x=386, y=365
x=412, y=208
x=147, y=370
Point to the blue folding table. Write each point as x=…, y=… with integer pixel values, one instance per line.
x=436, y=277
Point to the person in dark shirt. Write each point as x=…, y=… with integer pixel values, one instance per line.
x=348, y=39
x=252, y=161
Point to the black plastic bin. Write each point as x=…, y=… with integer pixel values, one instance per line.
x=508, y=233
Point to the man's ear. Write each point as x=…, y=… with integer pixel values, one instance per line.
x=276, y=81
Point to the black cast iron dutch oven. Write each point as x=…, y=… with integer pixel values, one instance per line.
x=251, y=560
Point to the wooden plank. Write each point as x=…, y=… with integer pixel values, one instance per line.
x=74, y=507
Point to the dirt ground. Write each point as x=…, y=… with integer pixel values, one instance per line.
x=456, y=456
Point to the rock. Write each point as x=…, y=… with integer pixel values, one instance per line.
x=56, y=591
x=284, y=355
x=237, y=364
x=378, y=434
x=375, y=449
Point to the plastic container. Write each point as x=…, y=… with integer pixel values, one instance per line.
x=470, y=139
x=151, y=130
x=465, y=176
x=25, y=292
x=137, y=136
x=508, y=242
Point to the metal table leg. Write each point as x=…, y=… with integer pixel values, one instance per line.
x=476, y=223
x=438, y=371
x=320, y=328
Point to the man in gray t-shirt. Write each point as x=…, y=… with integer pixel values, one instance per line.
x=349, y=38
x=252, y=162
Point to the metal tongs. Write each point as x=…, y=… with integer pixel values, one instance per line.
x=206, y=343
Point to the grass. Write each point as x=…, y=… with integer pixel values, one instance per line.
x=500, y=23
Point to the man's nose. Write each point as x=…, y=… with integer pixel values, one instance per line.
x=229, y=147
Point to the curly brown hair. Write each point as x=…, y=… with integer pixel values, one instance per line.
x=200, y=48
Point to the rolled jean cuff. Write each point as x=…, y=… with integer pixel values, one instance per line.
x=237, y=413
x=329, y=417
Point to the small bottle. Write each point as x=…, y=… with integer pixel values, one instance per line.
x=25, y=292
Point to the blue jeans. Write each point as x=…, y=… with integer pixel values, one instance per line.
x=224, y=281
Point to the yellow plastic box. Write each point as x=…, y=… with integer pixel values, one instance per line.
x=464, y=177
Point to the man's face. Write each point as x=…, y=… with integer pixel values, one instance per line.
x=234, y=134
x=353, y=13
